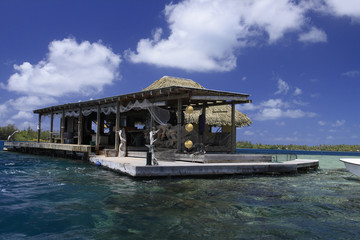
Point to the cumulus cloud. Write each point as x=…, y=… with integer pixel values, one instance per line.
x=23, y=115
x=314, y=35
x=70, y=67
x=29, y=103
x=208, y=35
x=348, y=8
x=278, y=109
x=283, y=87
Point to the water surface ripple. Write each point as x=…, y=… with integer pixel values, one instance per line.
x=54, y=198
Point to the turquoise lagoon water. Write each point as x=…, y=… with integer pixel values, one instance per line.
x=54, y=198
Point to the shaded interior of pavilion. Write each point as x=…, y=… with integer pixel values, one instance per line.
x=98, y=122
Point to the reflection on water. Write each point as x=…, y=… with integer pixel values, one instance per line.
x=51, y=198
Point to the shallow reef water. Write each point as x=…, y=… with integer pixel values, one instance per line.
x=54, y=198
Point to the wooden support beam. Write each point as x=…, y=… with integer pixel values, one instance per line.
x=233, y=129
x=171, y=97
x=203, y=112
x=98, y=119
x=179, y=111
x=219, y=98
x=62, y=127
x=80, y=127
x=52, y=127
x=39, y=128
x=117, y=128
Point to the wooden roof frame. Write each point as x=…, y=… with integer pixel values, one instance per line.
x=193, y=96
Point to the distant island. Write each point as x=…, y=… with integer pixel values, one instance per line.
x=31, y=135
x=321, y=147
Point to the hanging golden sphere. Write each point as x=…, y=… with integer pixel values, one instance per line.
x=189, y=127
x=189, y=109
x=188, y=144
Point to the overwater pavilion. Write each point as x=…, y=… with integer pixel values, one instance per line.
x=139, y=112
x=95, y=125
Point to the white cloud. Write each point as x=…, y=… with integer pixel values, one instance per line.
x=349, y=8
x=23, y=115
x=283, y=87
x=274, y=103
x=206, y=35
x=315, y=95
x=29, y=103
x=248, y=133
x=287, y=139
x=353, y=73
x=322, y=123
x=3, y=111
x=277, y=113
x=246, y=107
x=26, y=124
x=280, y=123
x=274, y=109
x=314, y=35
x=339, y=123
x=297, y=91
x=68, y=68
x=329, y=137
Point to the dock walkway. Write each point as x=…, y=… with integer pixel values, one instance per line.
x=136, y=167
x=181, y=165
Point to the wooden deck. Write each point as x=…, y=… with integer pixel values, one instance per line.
x=136, y=167
x=180, y=165
x=55, y=146
x=51, y=149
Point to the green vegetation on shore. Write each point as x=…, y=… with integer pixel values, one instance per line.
x=22, y=135
x=323, y=147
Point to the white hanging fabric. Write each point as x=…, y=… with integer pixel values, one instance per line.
x=160, y=115
x=87, y=112
x=108, y=110
x=72, y=114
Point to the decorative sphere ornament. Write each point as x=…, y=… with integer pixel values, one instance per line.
x=189, y=127
x=188, y=144
x=189, y=109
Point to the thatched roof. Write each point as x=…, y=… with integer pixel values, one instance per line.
x=167, y=81
x=219, y=116
x=215, y=115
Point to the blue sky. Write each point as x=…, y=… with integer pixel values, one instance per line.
x=299, y=60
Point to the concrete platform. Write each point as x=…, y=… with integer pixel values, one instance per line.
x=136, y=167
x=52, y=146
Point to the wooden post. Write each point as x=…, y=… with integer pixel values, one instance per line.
x=117, y=128
x=233, y=129
x=62, y=128
x=52, y=127
x=203, y=112
x=98, y=119
x=179, y=110
x=39, y=128
x=80, y=127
